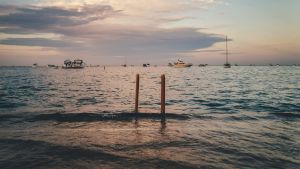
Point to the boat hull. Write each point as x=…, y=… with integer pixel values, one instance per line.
x=72, y=67
x=183, y=66
x=227, y=65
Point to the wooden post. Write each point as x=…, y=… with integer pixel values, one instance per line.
x=137, y=93
x=163, y=97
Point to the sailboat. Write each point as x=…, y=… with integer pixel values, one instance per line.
x=227, y=64
x=125, y=62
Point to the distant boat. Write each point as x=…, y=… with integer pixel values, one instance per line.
x=125, y=62
x=35, y=65
x=227, y=64
x=146, y=65
x=170, y=65
x=202, y=65
x=76, y=64
x=181, y=64
x=53, y=66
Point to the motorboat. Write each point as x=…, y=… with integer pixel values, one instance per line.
x=181, y=64
x=202, y=65
x=52, y=66
x=146, y=65
x=35, y=65
x=76, y=64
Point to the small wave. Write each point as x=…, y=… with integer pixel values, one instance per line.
x=2, y=94
x=203, y=117
x=41, y=154
x=90, y=117
x=287, y=115
x=266, y=108
x=198, y=101
x=145, y=103
x=174, y=101
x=25, y=87
x=57, y=105
x=214, y=104
x=5, y=117
x=240, y=118
x=11, y=105
x=87, y=100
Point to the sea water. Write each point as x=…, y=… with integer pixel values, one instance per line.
x=243, y=117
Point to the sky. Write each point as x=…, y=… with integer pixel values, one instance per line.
x=108, y=32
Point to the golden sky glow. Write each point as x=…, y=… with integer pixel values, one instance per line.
x=154, y=31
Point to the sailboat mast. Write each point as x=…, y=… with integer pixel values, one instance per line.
x=226, y=51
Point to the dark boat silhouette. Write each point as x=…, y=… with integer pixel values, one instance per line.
x=146, y=65
x=227, y=64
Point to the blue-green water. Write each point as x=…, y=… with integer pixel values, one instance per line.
x=243, y=117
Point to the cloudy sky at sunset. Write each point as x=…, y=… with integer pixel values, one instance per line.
x=152, y=31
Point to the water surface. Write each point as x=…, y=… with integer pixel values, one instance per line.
x=243, y=117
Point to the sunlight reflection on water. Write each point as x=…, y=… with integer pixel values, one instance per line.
x=219, y=118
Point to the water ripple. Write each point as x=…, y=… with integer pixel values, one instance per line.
x=243, y=117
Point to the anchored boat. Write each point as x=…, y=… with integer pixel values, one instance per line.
x=227, y=64
x=181, y=64
x=35, y=65
x=202, y=65
x=146, y=65
x=76, y=64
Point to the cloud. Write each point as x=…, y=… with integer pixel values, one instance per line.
x=175, y=19
x=133, y=6
x=207, y=51
x=33, y=17
x=142, y=11
x=42, y=42
x=83, y=30
x=75, y=25
x=16, y=30
x=116, y=40
x=4, y=9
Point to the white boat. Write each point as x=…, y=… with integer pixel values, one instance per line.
x=76, y=64
x=181, y=64
x=227, y=64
